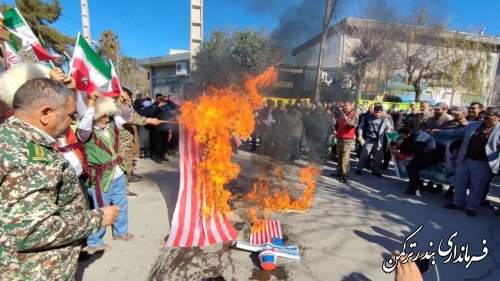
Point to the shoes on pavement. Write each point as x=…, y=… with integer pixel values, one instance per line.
x=164, y=159
x=103, y=248
x=131, y=194
x=126, y=237
x=158, y=161
x=358, y=172
x=379, y=175
x=471, y=213
x=343, y=179
x=451, y=206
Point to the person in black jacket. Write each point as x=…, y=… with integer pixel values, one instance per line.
x=397, y=116
x=423, y=148
x=412, y=119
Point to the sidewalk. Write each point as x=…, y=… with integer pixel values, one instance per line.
x=345, y=235
x=148, y=220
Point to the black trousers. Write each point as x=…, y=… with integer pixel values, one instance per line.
x=420, y=162
x=294, y=148
x=160, y=139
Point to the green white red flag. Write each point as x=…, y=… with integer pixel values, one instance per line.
x=11, y=53
x=11, y=47
x=87, y=68
x=114, y=86
x=14, y=21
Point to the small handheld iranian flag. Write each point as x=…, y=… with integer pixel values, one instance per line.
x=87, y=68
x=11, y=47
x=11, y=53
x=114, y=86
x=14, y=21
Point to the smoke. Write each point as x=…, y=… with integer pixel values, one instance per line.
x=300, y=20
x=299, y=23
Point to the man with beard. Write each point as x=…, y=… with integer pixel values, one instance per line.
x=475, y=109
x=477, y=161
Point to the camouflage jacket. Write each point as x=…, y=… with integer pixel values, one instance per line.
x=42, y=212
x=127, y=131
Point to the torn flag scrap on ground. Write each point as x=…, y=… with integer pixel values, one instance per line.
x=272, y=230
x=291, y=252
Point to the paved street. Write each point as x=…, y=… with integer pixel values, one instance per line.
x=344, y=236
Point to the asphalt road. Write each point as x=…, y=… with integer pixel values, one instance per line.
x=345, y=235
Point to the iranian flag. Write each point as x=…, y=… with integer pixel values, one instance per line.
x=11, y=52
x=114, y=87
x=87, y=68
x=14, y=21
x=11, y=46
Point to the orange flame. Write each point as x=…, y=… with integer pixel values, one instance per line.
x=215, y=117
x=263, y=80
x=280, y=199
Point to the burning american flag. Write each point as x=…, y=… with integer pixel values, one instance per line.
x=190, y=227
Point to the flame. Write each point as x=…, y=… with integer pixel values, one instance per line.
x=279, y=199
x=215, y=117
x=263, y=80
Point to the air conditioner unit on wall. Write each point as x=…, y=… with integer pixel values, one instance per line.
x=181, y=68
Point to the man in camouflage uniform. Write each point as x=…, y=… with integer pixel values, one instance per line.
x=42, y=212
x=127, y=140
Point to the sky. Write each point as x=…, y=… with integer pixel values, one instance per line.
x=149, y=28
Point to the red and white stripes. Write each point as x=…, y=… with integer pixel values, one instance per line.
x=190, y=228
x=273, y=230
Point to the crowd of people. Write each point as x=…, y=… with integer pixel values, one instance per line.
x=330, y=131
x=65, y=170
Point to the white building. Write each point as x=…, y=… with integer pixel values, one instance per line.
x=168, y=74
x=342, y=38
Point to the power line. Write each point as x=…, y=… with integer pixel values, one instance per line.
x=137, y=21
x=126, y=23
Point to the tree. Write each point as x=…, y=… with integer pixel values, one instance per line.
x=374, y=40
x=133, y=76
x=227, y=54
x=130, y=74
x=420, y=50
x=469, y=64
x=109, y=46
x=39, y=15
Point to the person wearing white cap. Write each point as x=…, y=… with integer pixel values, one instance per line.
x=477, y=161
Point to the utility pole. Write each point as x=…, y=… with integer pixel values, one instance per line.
x=86, y=21
x=328, y=16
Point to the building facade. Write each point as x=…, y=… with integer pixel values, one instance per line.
x=344, y=36
x=168, y=74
